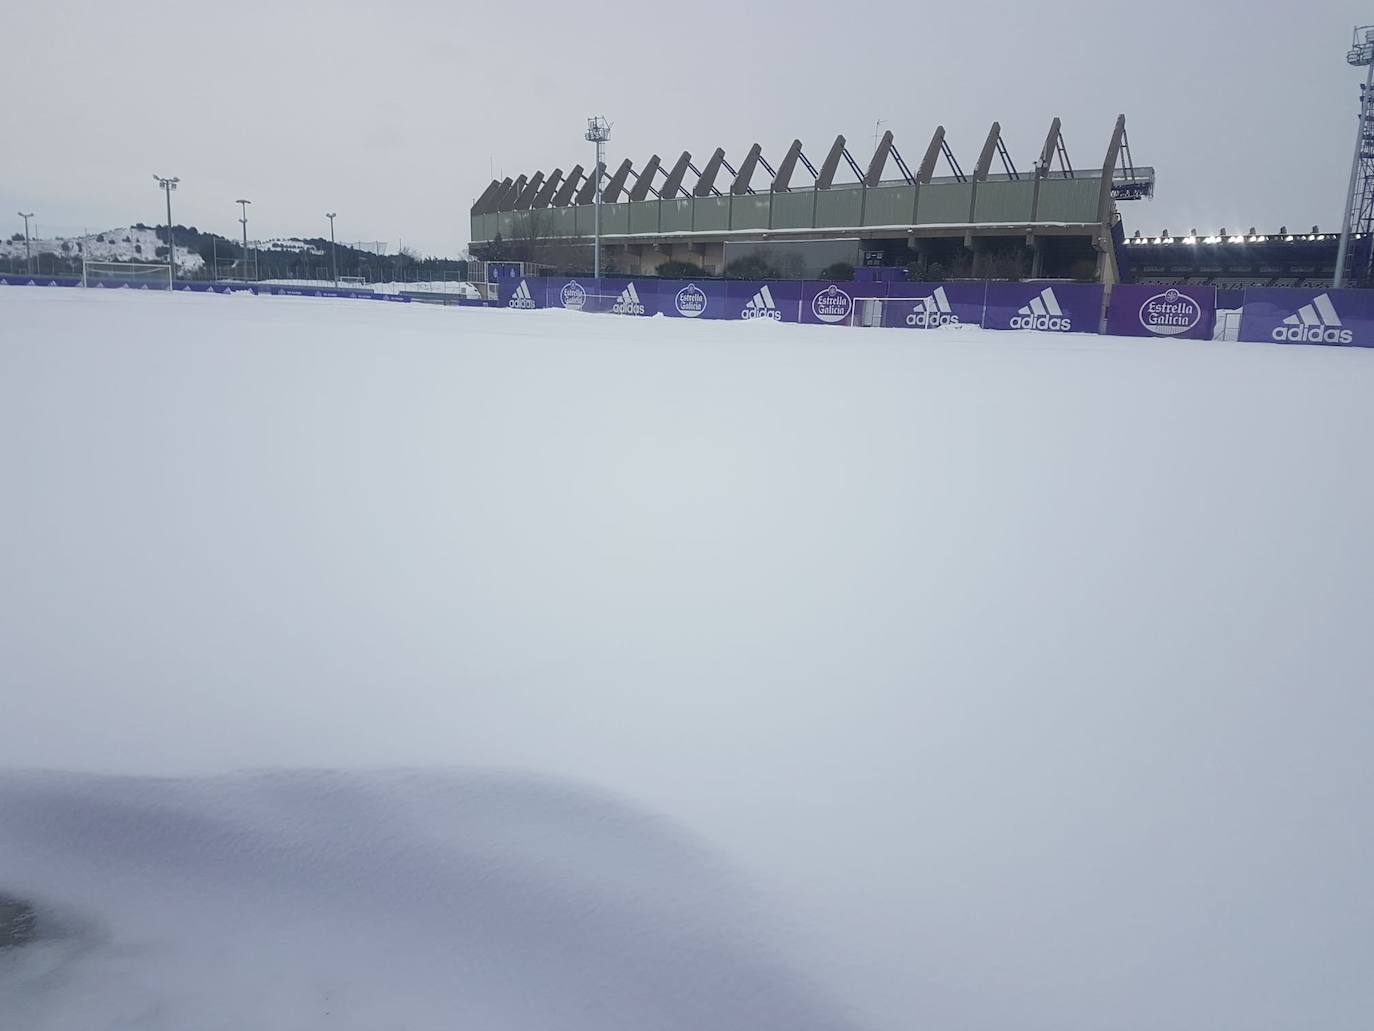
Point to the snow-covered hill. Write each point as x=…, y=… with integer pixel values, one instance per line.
x=127, y=243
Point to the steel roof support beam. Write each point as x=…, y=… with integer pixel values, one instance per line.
x=542, y=198
x=512, y=194
x=479, y=206
x=610, y=193
x=706, y=184
x=673, y=183
x=644, y=181
x=746, y=171
x=782, y=179
x=830, y=165
x=937, y=143
x=588, y=192
x=531, y=190
x=564, y=196
x=879, y=160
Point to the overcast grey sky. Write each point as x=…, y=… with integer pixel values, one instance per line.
x=393, y=115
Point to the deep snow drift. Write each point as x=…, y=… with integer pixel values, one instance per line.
x=871, y=679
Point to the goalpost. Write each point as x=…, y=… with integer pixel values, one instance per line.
x=126, y=275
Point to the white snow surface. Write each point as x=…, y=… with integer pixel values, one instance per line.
x=746, y=675
x=437, y=286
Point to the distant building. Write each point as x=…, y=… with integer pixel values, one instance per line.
x=1051, y=220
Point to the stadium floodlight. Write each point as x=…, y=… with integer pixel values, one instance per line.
x=168, y=185
x=1360, y=55
x=243, y=221
x=28, y=252
x=598, y=132
x=333, y=248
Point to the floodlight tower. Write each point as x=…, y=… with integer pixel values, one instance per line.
x=243, y=221
x=598, y=132
x=168, y=185
x=28, y=252
x=1359, y=198
x=333, y=248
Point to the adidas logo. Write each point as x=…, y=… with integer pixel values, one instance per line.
x=521, y=298
x=628, y=303
x=1043, y=313
x=761, y=306
x=932, y=312
x=1315, y=323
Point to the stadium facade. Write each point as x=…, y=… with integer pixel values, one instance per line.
x=1060, y=222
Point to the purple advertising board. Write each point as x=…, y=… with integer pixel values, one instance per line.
x=23, y=279
x=832, y=304
x=525, y=293
x=1044, y=307
x=1344, y=318
x=934, y=305
x=569, y=293
x=778, y=301
x=623, y=297
x=679, y=299
x=1142, y=310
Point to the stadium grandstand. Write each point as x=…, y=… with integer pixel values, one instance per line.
x=1051, y=220
x=1233, y=261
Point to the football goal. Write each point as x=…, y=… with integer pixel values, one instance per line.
x=126, y=275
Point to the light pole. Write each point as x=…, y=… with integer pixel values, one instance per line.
x=243, y=221
x=168, y=185
x=598, y=132
x=333, y=248
x=1360, y=55
x=28, y=252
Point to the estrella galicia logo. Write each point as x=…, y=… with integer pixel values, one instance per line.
x=1170, y=313
x=573, y=296
x=832, y=304
x=691, y=301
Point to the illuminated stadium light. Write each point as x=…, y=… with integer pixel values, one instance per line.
x=1192, y=240
x=1237, y=239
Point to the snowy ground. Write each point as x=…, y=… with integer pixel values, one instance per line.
x=441, y=286
x=835, y=678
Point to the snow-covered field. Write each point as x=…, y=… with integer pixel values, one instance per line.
x=439, y=286
x=757, y=676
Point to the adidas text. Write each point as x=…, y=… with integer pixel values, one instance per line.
x=1313, y=335
x=1052, y=323
x=932, y=319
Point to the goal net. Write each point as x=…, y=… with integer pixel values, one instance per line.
x=352, y=281
x=126, y=274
